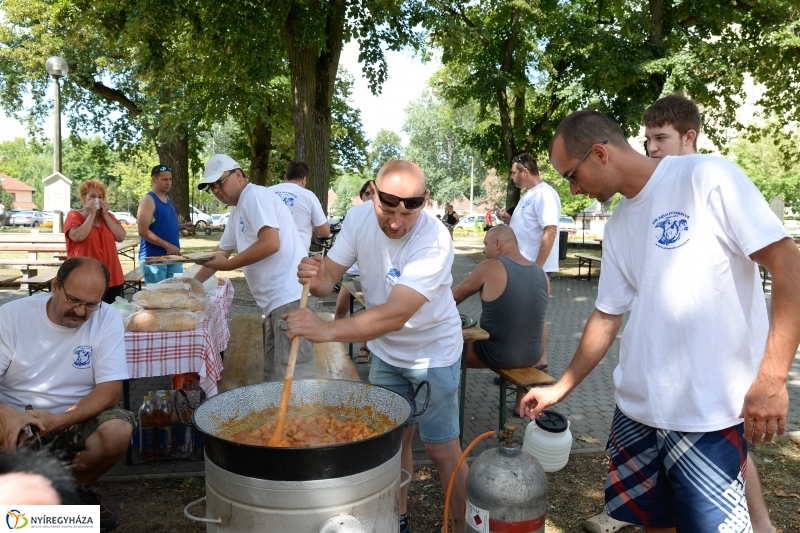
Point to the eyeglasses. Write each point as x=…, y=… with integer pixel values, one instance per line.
x=217, y=185
x=74, y=302
x=390, y=200
x=569, y=177
x=161, y=168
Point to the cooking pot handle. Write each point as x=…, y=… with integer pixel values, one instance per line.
x=190, y=516
x=407, y=481
x=427, y=397
x=178, y=411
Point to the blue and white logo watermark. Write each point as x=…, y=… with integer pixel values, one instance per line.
x=672, y=230
x=83, y=357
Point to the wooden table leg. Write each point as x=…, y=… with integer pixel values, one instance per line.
x=462, y=394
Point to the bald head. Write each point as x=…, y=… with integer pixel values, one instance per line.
x=400, y=175
x=502, y=241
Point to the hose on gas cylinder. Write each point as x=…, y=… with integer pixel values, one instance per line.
x=455, y=471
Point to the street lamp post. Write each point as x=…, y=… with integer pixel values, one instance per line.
x=57, y=68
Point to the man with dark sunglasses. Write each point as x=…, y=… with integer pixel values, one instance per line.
x=158, y=227
x=703, y=367
x=268, y=245
x=404, y=257
x=62, y=364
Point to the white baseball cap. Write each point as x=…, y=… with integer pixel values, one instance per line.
x=215, y=168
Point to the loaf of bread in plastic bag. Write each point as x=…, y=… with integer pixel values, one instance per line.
x=170, y=299
x=163, y=320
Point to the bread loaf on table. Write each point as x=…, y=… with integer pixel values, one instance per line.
x=189, y=284
x=162, y=320
x=169, y=299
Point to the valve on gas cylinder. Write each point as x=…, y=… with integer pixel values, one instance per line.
x=506, y=490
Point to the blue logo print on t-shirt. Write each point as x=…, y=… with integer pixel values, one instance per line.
x=287, y=197
x=83, y=357
x=392, y=276
x=242, y=227
x=672, y=230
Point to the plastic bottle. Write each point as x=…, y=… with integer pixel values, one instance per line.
x=147, y=430
x=164, y=427
x=182, y=435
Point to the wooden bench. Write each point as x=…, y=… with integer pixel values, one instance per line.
x=133, y=280
x=41, y=282
x=9, y=278
x=585, y=259
x=519, y=377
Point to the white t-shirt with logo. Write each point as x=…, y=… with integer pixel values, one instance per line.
x=304, y=206
x=677, y=255
x=53, y=367
x=538, y=208
x=273, y=280
x=420, y=260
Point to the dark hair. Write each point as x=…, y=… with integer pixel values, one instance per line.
x=527, y=161
x=674, y=110
x=585, y=128
x=42, y=463
x=296, y=170
x=364, y=188
x=73, y=263
x=158, y=169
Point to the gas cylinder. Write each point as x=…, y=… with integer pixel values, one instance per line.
x=506, y=490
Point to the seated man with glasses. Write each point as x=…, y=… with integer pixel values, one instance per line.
x=411, y=322
x=62, y=363
x=269, y=247
x=158, y=226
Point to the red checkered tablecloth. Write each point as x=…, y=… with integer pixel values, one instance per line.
x=165, y=353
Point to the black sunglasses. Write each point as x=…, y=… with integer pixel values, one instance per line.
x=568, y=176
x=390, y=200
x=159, y=169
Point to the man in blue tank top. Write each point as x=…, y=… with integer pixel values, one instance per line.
x=158, y=226
x=514, y=296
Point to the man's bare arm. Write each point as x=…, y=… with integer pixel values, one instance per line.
x=401, y=305
x=472, y=283
x=323, y=230
x=548, y=239
x=144, y=215
x=104, y=396
x=598, y=335
x=766, y=404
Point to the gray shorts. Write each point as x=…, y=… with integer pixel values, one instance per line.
x=277, y=346
x=72, y=440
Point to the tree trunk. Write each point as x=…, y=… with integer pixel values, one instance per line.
x=175, y=154
x=506, y=126
x=313, y=72
x=260, y=148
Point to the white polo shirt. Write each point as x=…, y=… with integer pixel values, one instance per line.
x=273, y=280
x=420, y=260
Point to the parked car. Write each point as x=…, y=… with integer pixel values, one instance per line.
x=125, y=218
x=47, y=216
x=26, y=218
x=567, y=224
x=215, y=219
x=199, y=218
x=468, y=222
x=223, y=221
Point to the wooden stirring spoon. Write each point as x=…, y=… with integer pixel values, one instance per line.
x=277, y=436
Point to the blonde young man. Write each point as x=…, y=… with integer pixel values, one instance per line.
x=702, y=370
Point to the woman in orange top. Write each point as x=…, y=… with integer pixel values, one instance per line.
x=93, y=232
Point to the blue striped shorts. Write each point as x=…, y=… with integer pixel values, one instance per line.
x=693, y=482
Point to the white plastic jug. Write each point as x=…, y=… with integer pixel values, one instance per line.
x=549, y=440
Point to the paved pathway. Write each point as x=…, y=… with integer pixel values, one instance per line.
x=589, y=408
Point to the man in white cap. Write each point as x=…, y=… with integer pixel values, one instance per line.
x=269, y=248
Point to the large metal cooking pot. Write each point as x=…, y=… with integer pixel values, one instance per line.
x=314, y=463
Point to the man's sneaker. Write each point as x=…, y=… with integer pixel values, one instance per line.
x=108, y=520
x=405, y=524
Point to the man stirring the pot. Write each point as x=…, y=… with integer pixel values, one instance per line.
x=411, y=321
